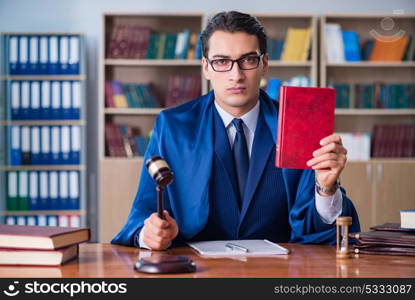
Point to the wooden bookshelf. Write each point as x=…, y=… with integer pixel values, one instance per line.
x=379, y=187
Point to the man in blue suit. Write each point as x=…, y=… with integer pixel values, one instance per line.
x=221, y=148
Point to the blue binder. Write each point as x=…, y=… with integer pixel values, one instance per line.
x=25, y=100
x=35, y=155
x=23, y=67
x=76, y=95
x=33, y=55
x=45, y=100
x=74, y=55
x=55, y=145
x=13, y=54
x=44, y=55
x=65, y=145
x=53, y=221
x=74, y=190
x=43, y=203
x=34, y=110
x=56, y=102
x=45, y=153
x=15, y=153
x=33, y=190
x=14, y=100
x=66, y=112
x=75, y=145
x=63, y=55
x=53, y=55
x=53, y=190
x=63, y=190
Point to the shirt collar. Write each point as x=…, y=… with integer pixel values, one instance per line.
x=250, y=118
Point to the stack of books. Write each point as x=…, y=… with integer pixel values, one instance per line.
x=40, y=245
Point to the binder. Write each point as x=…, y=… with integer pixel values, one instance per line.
x=35, y=156
x=13, y=55
x=15, y=100
x=66, y=101
x=53, y=55
x=25, y=101
x=31, y=220
x=63, y=221
x=25, y=142
x=45, y=156
x=15, y=149
x=53, y=190
x=23, y=55
x=23, y=198
x=33, y=191
x=43, y=55
x=74, y=54
x=56, y=101
x=76, y=100
x=52, y=220
x=65, y=145
x=21, y=220
x=41, y=220
x=10, y=220
x=55, y=145
x=35, y=100
x=34, y=55
x=73, y=190
x=74, y=221
x=12, y=184
x=45, y=112
x=43, y=191
x=75, y=145
x=63, y=190
x=64, y=55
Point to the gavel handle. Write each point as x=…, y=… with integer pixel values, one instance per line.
x=160, y=202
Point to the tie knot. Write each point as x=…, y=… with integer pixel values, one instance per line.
x=238, y=124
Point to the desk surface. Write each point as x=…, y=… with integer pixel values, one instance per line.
x=106, y=260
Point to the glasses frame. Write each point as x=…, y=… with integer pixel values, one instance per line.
x=238, y=61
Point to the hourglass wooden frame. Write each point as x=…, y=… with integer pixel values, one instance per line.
x=342, y=237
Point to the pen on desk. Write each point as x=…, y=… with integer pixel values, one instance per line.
x=235, y=247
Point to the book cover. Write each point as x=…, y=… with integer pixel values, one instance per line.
x=306, y=115
x=41, y=237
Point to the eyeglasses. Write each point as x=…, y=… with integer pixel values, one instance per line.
x=245, y=63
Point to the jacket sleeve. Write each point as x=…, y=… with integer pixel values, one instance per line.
x=145, y=202
x=306, y=223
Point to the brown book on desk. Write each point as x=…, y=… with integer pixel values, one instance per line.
x=38, y=257
x=41, y=237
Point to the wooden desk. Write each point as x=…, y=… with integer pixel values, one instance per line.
x=106, y=260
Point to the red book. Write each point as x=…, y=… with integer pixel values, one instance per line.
x=306, y=116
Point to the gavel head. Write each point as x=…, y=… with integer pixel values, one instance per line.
x=159, y=170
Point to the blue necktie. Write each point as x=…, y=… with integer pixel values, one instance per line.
x=241, y=157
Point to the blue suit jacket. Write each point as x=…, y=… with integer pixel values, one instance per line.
x=183, y=136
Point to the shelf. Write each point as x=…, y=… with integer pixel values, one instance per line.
x=44, y=77
x=367, y=64
x=384, y=160
x=45, y=122
x=43, y=212
x=153, y=62
x=277, y=63
x=373, y=112
x=132, y=111
x=132, y=159
x=44, y=168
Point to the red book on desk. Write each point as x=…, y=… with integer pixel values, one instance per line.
x=306, y=116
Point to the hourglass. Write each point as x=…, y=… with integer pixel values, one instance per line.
x=342, y=229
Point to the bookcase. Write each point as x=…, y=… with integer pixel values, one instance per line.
x=119, y=176
x=42, y=125
x=379, y=187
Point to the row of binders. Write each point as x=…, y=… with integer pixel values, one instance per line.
x=45, y=100
x=43, y=190
x=43, y=54
x=44, y=145
x=42, y=220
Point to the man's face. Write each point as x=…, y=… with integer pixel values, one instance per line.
x=237, y=90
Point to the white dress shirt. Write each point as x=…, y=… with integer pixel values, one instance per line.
x=328, y=207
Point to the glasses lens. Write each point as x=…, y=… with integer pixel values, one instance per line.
x=249, y=62
x=222, y=64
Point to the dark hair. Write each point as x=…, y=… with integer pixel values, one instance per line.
x=234, y=21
